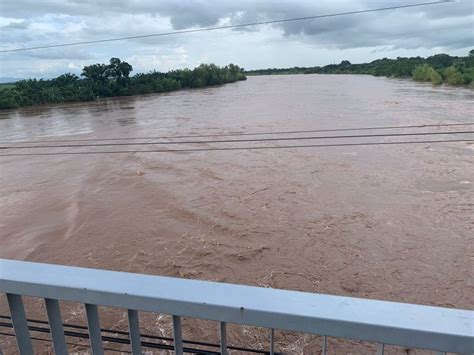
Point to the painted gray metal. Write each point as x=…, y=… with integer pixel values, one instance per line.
x=93, y=324
x=177, y=335
x=394, y=323
x=20, y=325
x=272, y=341
x=56, y=326
x=134, y=329
x=223, y=343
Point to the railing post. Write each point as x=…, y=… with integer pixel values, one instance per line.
x=178, y=337
x=325, y=345
x=134, y=329
x=223, y=338
x=272, y=341
x=448, y=329
x=20, y=325
x=380, y=349
x=56, y=326
x=94, y=329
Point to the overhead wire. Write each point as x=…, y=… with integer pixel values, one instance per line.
x=127, y=334
x=190, y=150
x=248, y=140
x=114, y=339
x=68, y=343
x=231, y=134
x=214, y=28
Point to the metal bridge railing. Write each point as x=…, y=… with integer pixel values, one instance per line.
x=381, y=322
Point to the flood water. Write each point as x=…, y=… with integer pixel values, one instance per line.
x=391, y=222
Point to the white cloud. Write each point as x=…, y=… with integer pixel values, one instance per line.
x=162, y=60
x=6, y=21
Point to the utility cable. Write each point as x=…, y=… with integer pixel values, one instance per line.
x=248, y=140
x=118, y=332
x=191, y=150
x=225, y=27
x=232, y=134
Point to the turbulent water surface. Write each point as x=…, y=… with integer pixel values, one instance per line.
x=392, y=222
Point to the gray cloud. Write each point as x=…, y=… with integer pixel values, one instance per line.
x=30, y=23
x=421, y=22
x=22, y=25
x=59, y=53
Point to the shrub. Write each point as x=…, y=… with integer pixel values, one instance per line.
x=426, y=72
x=453, y=76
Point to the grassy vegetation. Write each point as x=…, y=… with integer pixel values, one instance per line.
x=113, y=79
x=437, y=69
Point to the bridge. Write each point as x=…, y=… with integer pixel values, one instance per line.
x=381, y=322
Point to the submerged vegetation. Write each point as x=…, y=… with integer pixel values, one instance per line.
x=437, y=69
x=113, y=79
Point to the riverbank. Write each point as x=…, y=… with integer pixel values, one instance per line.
x=110, y=80
x=437, y=69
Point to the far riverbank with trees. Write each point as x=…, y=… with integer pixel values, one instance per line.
x=437, y=69
x=113, y=79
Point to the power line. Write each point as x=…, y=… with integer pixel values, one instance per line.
x=226, y=27
x=248, y=140
x=191, y=150
x=231, y=134
x=112, y=339
x=67, y=343
x=123, y=333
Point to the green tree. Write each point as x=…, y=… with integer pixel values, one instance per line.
x=435, y=77
x=97, y=79
x=422, y=72
x=422, y=69
x=118, y=71
x=95, y=72
x=9, y=98
x=453, y=76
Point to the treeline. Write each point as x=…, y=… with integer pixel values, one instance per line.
x=438, y=69
x=113, y=79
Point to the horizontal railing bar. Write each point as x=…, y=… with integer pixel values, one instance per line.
x=104, y=338
x=385, y=322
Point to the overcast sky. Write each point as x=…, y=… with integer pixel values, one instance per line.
x=424, y=31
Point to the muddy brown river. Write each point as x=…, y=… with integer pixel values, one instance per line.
x=390, y=222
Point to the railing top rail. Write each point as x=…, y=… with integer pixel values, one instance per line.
x=378, y=321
